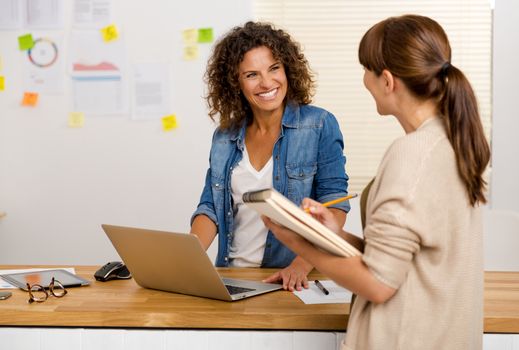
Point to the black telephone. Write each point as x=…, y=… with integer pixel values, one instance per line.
x=112, y=270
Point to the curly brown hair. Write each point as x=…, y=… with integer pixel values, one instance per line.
x=224, y=95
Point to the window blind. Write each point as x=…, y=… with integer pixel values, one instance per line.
x=330, y=31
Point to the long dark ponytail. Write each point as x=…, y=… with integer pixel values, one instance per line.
x=462, y=121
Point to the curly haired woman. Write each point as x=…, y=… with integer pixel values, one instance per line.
x=269, y=136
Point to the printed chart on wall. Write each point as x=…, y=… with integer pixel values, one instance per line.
x=151, y=90
x=43, y=67
x=98, y=72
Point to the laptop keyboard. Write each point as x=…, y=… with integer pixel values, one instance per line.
x=236, y=290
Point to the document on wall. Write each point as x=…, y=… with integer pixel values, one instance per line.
x=98, y=72
x=10, y=14
x=315, y=295
x=92, y=14
x=151, y=90
x=43, y=65
x=44, y=14
x=7, y=285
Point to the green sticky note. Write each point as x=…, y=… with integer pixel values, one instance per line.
x=205, y=35
x=25, y=42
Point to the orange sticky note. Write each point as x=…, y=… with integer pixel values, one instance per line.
x=30, y=99
x=110, y=33
x=169, y=122
x=76, y=119
x=2, y=83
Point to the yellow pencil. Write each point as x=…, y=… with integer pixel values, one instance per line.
x=335, y=201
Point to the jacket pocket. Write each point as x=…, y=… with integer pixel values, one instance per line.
x=300, y=181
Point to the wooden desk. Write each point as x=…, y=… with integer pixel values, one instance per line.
x=124, y=304
x=501, y=302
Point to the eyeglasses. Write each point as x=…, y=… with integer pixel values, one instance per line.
x=37, y=293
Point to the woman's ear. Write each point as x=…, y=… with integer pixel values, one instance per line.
x=389, y=81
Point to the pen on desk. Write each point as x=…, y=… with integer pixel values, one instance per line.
x=321, y=287
x=335, y=201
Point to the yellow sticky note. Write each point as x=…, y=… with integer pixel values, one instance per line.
x=190, y=36
x=205, y=35
x=30, y=99
x=76, y=119
x=190, y=52
x=2, y=83
x=110, y=33
x=169, y=122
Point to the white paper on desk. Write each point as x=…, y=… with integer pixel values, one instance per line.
x=313, y=295
x=7, y=285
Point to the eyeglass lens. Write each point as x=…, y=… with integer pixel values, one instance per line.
x=38, y=293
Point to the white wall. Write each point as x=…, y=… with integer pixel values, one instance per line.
x=502, y=214
x=505, y=118
x=58, y=185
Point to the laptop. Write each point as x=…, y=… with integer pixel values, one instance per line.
x=176, y=262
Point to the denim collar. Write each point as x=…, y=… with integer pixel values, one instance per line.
x=290, y=119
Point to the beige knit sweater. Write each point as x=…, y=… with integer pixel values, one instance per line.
x=425, y=240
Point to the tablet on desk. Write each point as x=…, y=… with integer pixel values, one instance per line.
x=44, y=278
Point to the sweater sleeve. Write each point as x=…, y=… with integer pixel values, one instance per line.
x=397, y=212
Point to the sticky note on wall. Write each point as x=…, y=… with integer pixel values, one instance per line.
x=169, y=122
x=190, y=36
x=30, y=99
x=76, y=119
x=110, y=33
x=190, y=52
x=25, y=42
x=205, y=35
x=2, y=83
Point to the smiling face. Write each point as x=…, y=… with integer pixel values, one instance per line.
x=263, y=82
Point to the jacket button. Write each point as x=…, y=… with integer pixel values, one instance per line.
x=229, y=213
x=226, y=258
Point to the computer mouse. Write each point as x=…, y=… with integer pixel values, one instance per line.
x=111, y=271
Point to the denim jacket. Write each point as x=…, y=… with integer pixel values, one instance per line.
x=308, y=162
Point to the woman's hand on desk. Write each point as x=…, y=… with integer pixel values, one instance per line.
x=294, y=276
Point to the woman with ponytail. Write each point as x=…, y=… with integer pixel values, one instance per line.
x=419, y=282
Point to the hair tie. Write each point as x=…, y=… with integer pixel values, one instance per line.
x=444, y=68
